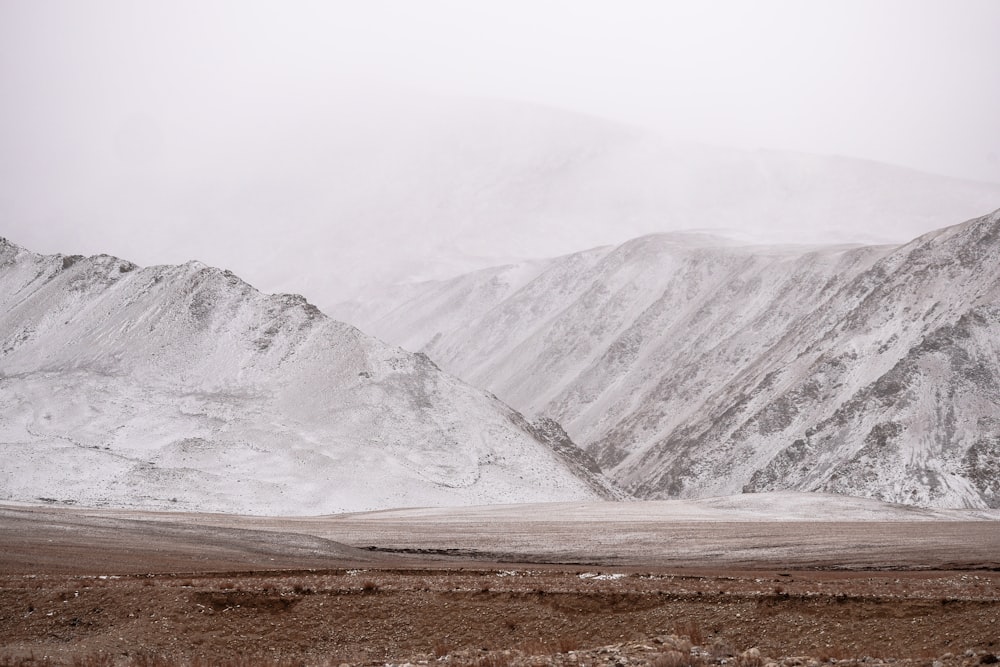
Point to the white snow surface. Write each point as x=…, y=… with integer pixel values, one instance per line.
x=182, y=387
x=768, y=506
x=690, y=365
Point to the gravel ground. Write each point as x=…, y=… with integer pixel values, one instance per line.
x=93, y=588
x=515, y=616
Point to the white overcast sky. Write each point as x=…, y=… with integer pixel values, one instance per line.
x=910, y=82
x=88, y=85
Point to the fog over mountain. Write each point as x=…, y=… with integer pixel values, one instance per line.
x=367, y=194
x=352, y=193
x=712, y=242
x=183, y=387
x=693, y=365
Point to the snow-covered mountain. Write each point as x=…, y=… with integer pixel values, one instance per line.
x=689, y=365
x=183, y=387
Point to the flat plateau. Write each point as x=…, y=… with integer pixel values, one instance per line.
x=518, y=585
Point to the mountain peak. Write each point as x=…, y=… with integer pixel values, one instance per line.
x=183, y=387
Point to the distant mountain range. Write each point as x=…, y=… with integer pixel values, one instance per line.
x=686, y=364
x=689, y=365
x=183, y=387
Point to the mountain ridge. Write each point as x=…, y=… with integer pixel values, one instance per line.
x=692, y=369
x=183, y=387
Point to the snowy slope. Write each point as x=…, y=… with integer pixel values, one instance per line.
x=692, y=366
x=184, y=387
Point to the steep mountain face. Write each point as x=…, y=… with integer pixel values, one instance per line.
x=183, y=387
x=692, y=366
x=900, y=392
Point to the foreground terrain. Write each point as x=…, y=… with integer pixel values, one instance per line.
x=489, y=616
x=93, y=587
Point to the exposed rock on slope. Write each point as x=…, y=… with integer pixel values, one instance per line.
x=690, y=366
x=915, y=410
x=184, y=387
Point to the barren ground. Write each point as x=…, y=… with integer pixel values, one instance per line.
x=87, y=587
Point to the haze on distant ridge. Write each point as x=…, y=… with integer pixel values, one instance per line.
x=232, y=131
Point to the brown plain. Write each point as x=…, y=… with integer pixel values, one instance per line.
x=100, y=587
